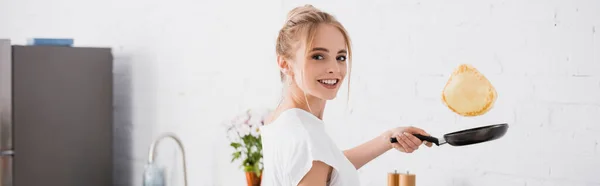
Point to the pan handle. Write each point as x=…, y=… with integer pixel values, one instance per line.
x=422, y=138
x=428, y=138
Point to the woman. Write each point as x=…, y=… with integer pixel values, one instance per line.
x=313, y=49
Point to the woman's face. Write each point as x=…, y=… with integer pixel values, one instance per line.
x=321, y=71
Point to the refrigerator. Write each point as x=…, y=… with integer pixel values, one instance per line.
x=56, y=115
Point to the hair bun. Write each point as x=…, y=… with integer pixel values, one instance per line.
x=301, y=10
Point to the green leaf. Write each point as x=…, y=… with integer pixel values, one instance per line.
x=235, y=145
x=248, y=168
x=249, y=151
x=236, y=155
x=255, y=156
x=247, y=140
x=256, y=169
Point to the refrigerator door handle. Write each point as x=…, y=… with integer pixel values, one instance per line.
x=7, y=153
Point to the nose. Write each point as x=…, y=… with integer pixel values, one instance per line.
x=333, y=68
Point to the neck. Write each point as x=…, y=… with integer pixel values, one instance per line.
x=297, y=99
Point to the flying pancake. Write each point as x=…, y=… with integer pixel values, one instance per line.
x=468, y=92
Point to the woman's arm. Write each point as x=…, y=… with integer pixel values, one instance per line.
x=364, y=153
x=317, y=175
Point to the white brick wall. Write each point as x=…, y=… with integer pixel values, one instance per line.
x=183, y=66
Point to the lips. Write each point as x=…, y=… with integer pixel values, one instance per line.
x=329, y=83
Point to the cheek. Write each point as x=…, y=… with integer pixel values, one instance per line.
x=344, y=68
x=310, y=71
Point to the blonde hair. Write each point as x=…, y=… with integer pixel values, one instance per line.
x=305, y=20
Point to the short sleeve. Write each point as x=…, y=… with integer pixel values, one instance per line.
x=300, y=161
x=302, y=152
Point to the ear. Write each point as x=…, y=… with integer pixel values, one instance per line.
x=284, y=65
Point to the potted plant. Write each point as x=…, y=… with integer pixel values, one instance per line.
x=244, y=134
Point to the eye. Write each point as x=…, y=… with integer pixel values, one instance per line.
x=318, y=57
x=341, y=58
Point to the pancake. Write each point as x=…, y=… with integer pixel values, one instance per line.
x=468, y=92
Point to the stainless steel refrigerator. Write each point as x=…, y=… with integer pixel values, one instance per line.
x=56, y=115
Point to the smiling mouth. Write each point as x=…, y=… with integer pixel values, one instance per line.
x=329, y=83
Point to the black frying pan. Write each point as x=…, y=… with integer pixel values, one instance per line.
x=466, y=137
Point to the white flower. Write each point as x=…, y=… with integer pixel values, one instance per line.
x=240, y=119
x=259, y=115
x=243, y=129
x=255, y=121
x=248, y=122
x=233, y=134
x=253, y=149
x=255, y=130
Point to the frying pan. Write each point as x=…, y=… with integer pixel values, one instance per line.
x=466, y=137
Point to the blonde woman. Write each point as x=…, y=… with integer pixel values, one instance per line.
x=313, y=52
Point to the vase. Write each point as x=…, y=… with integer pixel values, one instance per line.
x=252, y=179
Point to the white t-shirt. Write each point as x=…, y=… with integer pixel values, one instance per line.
x=292, y=142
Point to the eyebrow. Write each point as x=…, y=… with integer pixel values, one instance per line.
x=325, y=50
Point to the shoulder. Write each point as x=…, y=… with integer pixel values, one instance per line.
x=291, y=126
x=296, y=132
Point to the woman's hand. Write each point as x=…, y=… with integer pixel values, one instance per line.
x=364, y=153
x=406, y=141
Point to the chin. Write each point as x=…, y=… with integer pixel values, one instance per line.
x=330, y=98
x=327, y=97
